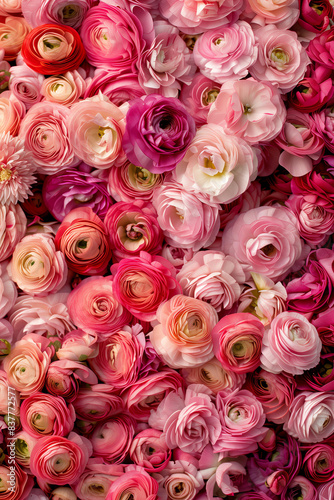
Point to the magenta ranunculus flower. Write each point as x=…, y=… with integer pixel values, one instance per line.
x=321, y=49
x=158, y=132
x=318, y=463
x=314, y=91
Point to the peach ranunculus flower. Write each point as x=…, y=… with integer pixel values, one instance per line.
x=12, y=110
x=283, y=13
x=27, y=364
x=96, y=128
x=13, y=31
x=64, y=89
x=182, y=337
x=36, y=267
x=10, y=7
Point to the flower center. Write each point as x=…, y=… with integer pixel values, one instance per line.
x=247, y=109
x=279, y=56
x=269, y=250
x=5, y=174
x=70, y=11
x=133, y=233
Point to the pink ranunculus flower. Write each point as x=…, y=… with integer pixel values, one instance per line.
x=182, y=333
x=78, y=346
x=237, y=341
x=213, y=277
x=282, y=60
x=65, y=89
x=112, y=439
x=180, y=479
x=24, y=444
x=225, y=53
x=63, y=493
x=36, y=267
x=324, y=121
x=189, y=422
x=23, y=483
x=47, y=415
x=12, y=112
x=242, y=423
x=120, y=88
x=217, y=165
x=199, y=96
x=45, y=132
x=321, y=49
x=264, y=240
x=8, y=291
x=251, y=110
x=177, y=256
x=94, y=308
x=97, y=403
x=311, y=417
x=10, y=7
x=27, y=364
x=13, y=30
x=26, y=84
x=13, y=225
x=326, y=491
x=150, y=451
x=305, y=488
x=195, y=17
x=292, y=345
x=142, y=283
x=223, y=479
x=185, y=220
x=134, y=483
x=59, y=460
x=214, y=376
x=39, y=12
x=283, y=13
x=4, y=387
x=96, y=128
x=97, y=479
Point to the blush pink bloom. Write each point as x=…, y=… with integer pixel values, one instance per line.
x=242, y=423
x=97, y=479
x=177, y=256
x=65, y=89
x=282, y=60
x=184, y=219
x=36, y=267
x=112, y=439
x=13, y=225
x=292, y=345
x=199, y=96
x=237, y=342
x=141, y=450
x=195, y=17
x=45, y=134
x=27, y=364
x=217, y=165
x=10, y=7
x=78, y=346
x=179, y=475
x=8, y=291
x=134, y=483
x=94, y=308
x=311, y=417
x=58, y=460
x=13, y=30
x=47, y=415
x=182, y=333
x=213, y=277
x=119, y=88
x=189, y=422
x=12, y=111
x=226, y=474
x=264, y=240
x=251, y=110
x=283, y=13
x=142, y=283
x=26, y=84
x=38, y=12
x=225, y=53
x=97, y=403
x=96, y=128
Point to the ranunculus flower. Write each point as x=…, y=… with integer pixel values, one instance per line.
x=213, y=277
x=150, y=451
x=324, y=323
x=119, y=88
x=119, y=358
x=142, y=283
x=82, y=238
x=180, y=479
x=217, y=165
x=113, y=37
x=185, y=220
x=264, y=240
x=177, y=256
x=24, y=443
x=12, y=111
x=134, y=483
x=292, y=345
x=315, y=16
x=45, y=134
x=94, y=308
x=226, y=52
x=23, y=482
x=10, y=7
x=27, y=364
x=311, y=417
x=8, y=291
x=242, y=423
x=199, y=96
x=321, y=49
x=47, y=415
x=302, y=487
x=274, y=391
x=182, y=333
x=283, y=14
x=195, y=17
x=78, y=346
x=189, y=422
x=225, y=480
x=237, y=341
x=158, y=132
x=318, y=463
x=97, y=479
x=251, y=110
x=65, y=89
x=96, y=128
x=324, y=122
x=26, y=84
x=112, y=439
x=36, y=267
x=50, y=49
x=63, y=12
x=13, y=31
x=66, y=190
x=64, y=376
x=13, y=225
x=15, y=396
x=313, y=92
x=133, y=228
x=58, y=460
x=97, y=403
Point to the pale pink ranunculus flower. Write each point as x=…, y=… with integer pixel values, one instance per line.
x=251, y=110
x=12, y=111
x=96, y=128
x=13, y=225
x=36, y=267
x=213, y=277
x=225, y=53
x=282, y=60
x=141, y=450
x=179, y=475
x=264, y=240
x=8, y=290
x=217, y=165
x=26, y=84
x=282, y=13
x=185, y=220
x=223, y=479
x=311, y=416
x=177, y=256
x=292, y=344
x=65, y=89
x=182, y=333
x=78, y=346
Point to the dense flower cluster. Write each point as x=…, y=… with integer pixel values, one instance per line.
x=166, y=249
